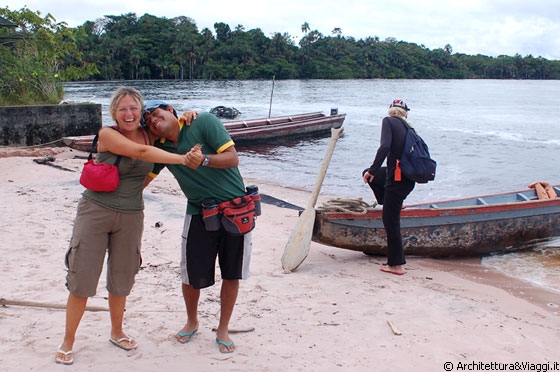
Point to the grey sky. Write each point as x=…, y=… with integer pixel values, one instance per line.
x=489, y=27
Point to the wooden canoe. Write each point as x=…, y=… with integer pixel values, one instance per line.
x=475, y=226
x=81, y=143
x=257, y=131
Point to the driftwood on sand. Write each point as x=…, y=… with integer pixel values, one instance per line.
x=6, y=302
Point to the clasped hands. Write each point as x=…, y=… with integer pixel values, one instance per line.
x=194, y=158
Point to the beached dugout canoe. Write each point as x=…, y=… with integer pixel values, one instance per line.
x=474, y=226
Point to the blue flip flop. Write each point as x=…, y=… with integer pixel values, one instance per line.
x=186, y=334
x=227, y=345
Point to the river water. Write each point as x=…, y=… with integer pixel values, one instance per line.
x=488, y=136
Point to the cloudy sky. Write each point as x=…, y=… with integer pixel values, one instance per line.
x=488, y=27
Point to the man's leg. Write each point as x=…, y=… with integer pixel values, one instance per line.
x=191, y=296
x=228, y=297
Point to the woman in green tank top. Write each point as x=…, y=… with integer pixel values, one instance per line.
x=111, y=222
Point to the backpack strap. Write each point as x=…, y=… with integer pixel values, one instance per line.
x=405, y=123
x=398, y=171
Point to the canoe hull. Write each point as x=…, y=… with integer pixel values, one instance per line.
x=445, y=232
x=81, y=143
x=263, y=130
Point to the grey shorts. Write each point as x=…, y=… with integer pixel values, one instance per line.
x=97, y=231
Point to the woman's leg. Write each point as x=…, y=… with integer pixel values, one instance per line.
x=392, y=222
x=75, y=307
x=117, y=305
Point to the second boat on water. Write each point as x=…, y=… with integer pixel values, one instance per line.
x=257, y=131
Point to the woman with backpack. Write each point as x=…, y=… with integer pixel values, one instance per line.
x=397, y=186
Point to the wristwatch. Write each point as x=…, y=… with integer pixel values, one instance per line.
x=205, y=161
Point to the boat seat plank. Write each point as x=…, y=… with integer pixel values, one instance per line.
x=522, y=197
x=480, y=201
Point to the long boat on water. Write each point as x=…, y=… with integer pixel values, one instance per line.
x=476, y=226
x=258, y=131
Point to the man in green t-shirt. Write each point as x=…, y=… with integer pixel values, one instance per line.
x=212, y=173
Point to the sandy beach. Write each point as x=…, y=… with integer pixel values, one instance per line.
x=334, y=313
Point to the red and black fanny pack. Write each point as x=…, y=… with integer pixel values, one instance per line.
x=238, y=216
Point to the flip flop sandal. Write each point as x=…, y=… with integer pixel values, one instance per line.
x=186, y=334
x=64, y=361
x=118, y=343
x=226, y=344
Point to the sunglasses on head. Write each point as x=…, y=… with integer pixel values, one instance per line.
x=149, y=112
x=152, y=109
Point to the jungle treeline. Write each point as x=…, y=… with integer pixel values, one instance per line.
x=128, y=47
x=149, y=47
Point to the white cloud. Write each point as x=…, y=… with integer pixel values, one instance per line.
x=491, y=27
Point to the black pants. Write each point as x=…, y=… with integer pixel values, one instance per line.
x=395, y=194
x=378, y=184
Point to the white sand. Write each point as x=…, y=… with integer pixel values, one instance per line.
x=331, y=314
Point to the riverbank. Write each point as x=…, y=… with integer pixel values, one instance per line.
x=334, y=313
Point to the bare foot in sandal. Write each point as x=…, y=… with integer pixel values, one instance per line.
x=397, y=270
x=64, y=357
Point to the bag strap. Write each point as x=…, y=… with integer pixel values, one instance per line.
x=94, y=148
x=405, y=123
x=117, y=161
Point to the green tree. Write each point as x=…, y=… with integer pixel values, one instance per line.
x=149, y=47
x=32, y=69
x=223, y=32
x=337, y=31
x=184, y=46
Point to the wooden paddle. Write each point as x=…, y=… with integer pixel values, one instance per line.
x=297, y=247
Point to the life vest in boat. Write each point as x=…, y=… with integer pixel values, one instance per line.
x=544, y=190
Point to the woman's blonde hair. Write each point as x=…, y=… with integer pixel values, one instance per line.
x=397, y=111
x=119, y=94
x=401, y=113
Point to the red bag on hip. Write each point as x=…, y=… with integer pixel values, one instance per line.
x=100, y=177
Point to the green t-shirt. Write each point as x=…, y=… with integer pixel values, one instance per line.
x=203, y=182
